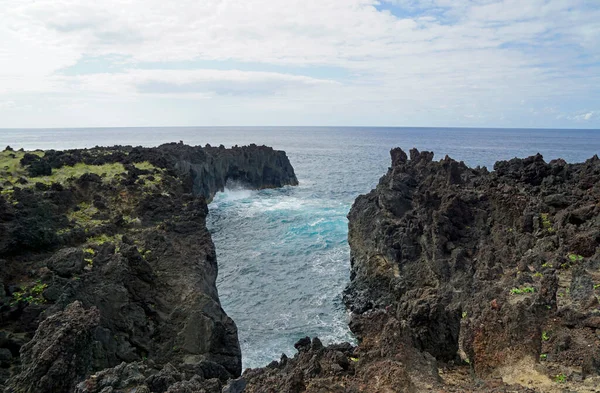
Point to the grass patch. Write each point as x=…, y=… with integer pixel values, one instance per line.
x=84, y=216
x=62, y=175
x=522, y=291
x=101, y=239
x=10, y=164
x=144, y=166
x=11, y=170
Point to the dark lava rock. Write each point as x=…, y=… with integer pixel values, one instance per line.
x=67, y=262
x=133, y=247
x=59, y=354
x=471, y=261
x=235, y=386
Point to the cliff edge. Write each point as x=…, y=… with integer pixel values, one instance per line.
x=106, y=263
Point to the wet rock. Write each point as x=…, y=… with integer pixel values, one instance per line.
x=302, y=344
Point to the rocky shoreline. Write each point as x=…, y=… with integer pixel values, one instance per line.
x=465, y=280
x=462, y=280
x=107, y=264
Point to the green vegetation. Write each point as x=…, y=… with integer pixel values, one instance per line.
x=134, y=221
x=546, y=264
x=538, y=275
x=11, y=170
x=545, y=336
x=596, y=286
x=521, y=291
x=101, y=239
x=543, y=356
x=32, y=295
x=144, y=166
x=61, y=175
x=84, y=216
x=575, y=258
x=464, y=314
x=546, y=223
x=10, y=164
x=560, y=378
x=89, y=252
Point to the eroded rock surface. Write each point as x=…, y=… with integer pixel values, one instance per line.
x=499, y=268
x=119, y=233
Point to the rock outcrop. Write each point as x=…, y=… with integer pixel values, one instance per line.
x=499, y=270
x=58, y=355
x=118, y=234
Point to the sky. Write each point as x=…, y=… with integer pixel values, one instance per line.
x=432, y=63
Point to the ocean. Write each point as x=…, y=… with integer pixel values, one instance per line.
x=283, y=254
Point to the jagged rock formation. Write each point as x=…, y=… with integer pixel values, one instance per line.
x=501, y=268
x=465, y=280
x=120, y=232
x=59, y=352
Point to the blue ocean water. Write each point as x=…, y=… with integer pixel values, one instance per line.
x=283, y=254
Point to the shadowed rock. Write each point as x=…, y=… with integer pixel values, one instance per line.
x=59, y=354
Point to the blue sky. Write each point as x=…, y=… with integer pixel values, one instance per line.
x=478, y=63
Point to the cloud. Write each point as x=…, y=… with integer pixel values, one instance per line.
x=446, y=58
x=202, y=82
x=584, y=116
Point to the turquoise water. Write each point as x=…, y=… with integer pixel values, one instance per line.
x=283, y=254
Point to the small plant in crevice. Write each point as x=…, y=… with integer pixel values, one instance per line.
x=575, y=257
x=546, y=223
x=543, y=356
x=32, y=295
x=89, y=253
x=560, y=378
x=545, y=336
x=521, y=291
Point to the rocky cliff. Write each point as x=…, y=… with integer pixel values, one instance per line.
x=465, y=280
x=499, y=268
x=106, y=263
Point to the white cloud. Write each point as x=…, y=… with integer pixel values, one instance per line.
x=584, y=116
x=445, y=58
x=202, y=82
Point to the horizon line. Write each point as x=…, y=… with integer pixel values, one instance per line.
x=292, y=126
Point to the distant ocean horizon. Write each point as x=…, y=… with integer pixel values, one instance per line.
x=283, y=254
